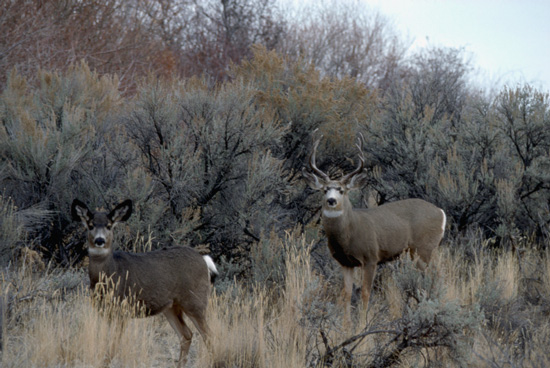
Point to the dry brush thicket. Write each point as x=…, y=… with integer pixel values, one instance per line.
x=215, y=162
x=185, y=38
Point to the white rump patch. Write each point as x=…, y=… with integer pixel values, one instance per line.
x=332, y=214
x=210, y=264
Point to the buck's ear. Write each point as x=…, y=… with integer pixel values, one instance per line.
x=356, y=180
x=121, y=212
x=313, y=180
x=80, y=212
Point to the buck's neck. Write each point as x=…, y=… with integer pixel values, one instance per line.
x=336, y=220
x=339, y=231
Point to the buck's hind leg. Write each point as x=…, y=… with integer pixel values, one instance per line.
x=425, y=246
x=175, y=318
x=423, y=254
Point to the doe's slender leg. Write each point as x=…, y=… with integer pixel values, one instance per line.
x=175, y=318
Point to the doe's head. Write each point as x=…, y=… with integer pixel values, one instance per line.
x=100, y=224
x=335, y=190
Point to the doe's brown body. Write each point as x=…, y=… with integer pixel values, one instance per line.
x=173, y=281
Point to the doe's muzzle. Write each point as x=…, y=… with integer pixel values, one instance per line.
x=99, y=242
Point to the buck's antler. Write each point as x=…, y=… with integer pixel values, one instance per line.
x=312, y=166
x=361, y=165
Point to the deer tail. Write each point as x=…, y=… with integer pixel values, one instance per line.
x=212, y=270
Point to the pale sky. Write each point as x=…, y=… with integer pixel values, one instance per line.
x=508, y=40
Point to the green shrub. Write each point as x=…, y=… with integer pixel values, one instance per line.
x=218, y=166
x=207, y=152
x=11, y=230
x=429, y=320
x=485, y=162
x=429, y=325
x=53, y=145
x=307, y=104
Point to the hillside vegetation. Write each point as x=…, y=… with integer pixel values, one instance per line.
x=212, y=159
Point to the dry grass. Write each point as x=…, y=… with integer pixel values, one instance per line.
x=51, y=320
x=48, y=325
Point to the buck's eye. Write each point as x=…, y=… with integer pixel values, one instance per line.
x=109, y=226
x=341, y=191
x=91, y=226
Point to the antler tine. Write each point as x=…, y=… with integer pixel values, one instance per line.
x=361, y=165
x=312, y=164
x=359, y=145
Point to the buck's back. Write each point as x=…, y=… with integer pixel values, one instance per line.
x=393, y=227
x=406, y=212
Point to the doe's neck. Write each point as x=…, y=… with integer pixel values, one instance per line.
x=100, y=258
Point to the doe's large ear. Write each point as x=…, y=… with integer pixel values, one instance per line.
x=315, y=182
x=80, y=212
x=121, y=212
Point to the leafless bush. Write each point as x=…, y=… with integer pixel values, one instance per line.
x=53, y=35
x=345, y=39
x=51, y=138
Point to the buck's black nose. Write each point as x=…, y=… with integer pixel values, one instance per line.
x=331, y=201
x=99, y=242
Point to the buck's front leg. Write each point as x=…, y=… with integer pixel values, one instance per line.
x=346, y=294
x=368, y=276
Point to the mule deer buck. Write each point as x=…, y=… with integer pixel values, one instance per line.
x=173, y=281
x=366, y=237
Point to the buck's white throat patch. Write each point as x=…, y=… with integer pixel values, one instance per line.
x=332, y=213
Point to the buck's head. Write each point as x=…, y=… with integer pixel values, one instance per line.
x=336, y=191
x=100, y=224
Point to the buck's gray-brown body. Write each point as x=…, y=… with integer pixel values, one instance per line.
x=366, y=237
x=410, y=224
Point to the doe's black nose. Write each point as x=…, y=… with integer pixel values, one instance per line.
x=331, y=201
x=99, y=241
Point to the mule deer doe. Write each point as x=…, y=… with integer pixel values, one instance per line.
x=367, y=237
x=173, y=281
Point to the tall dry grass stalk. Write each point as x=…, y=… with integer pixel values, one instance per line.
x=69, y=330
x=462, y=279
x=254, y=327
x=546, y=273
x=465, y=280
x=506, y=275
